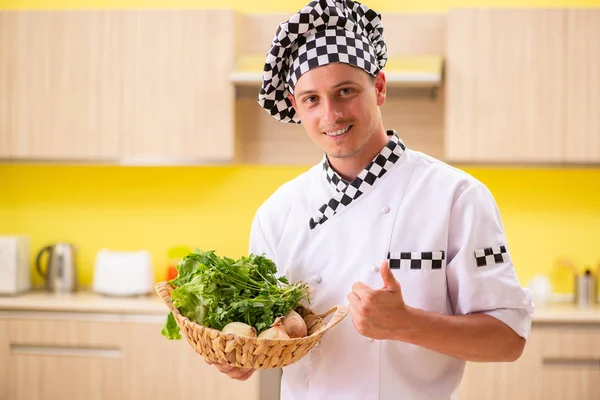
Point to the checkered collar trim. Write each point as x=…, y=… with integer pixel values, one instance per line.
x=347, y=192
x=324, y=31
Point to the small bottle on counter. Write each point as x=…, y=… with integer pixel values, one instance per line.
x=586, y=290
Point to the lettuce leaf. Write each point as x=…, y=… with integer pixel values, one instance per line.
x=214, y=291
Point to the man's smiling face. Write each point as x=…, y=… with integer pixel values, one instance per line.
x=338, y=105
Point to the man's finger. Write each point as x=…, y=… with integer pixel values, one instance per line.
x=224, y=368
x=246, y=375
x=361, y=290
x=389, y=280
x=353, y=299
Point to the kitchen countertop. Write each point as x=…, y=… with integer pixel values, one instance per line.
x=566, y=312
x=86, y=301
x=83, y=301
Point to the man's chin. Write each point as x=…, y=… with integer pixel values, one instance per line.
x=341, y=154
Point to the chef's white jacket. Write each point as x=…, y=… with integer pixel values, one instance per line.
x=441, y=230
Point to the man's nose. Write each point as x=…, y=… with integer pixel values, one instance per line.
x=333, y=112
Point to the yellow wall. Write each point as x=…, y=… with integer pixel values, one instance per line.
x=548, y=213
x=129, y=208
x=257, y=6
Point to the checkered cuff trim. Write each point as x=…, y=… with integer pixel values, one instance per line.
x=491, y=255
x=417, y=260
x=346, y=193
x=324, y=31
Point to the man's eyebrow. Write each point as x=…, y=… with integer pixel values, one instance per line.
x=312, y=91
x=348, y=82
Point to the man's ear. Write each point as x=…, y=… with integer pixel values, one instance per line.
x=291, y=98
x=380, y=88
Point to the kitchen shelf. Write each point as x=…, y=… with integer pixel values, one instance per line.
x=413, y=71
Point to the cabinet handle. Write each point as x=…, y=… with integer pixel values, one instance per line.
x=65, y=351
x=572, y=362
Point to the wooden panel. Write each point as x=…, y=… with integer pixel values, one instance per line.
x=60, y=96
x=4, y=352
x=410, y=33
x=65, y=333
x=505, y=85
x=257, y=31
x=500, y=381
x=261, y=139
x=161, y=369
x=582, y=101
x=571, y=342
x=418, y=118
x=571, y=383
x=43, y=377
x=65, y=359
x=415, y=34
x=178, y=100
x=6, y=47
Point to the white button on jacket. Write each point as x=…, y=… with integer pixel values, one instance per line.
x=442, y=232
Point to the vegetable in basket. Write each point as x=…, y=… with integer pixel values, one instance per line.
x=217, y=291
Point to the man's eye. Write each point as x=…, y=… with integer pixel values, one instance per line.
x=310, y=99
x=346, y=91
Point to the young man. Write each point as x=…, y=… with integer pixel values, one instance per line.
x=415, y=248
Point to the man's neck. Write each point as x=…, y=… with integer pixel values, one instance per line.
x=349, y=168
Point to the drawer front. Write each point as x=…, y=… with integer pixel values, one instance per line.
x=570, y=382
x=43, y=376
x=23, y=333
x=64, y=359
x=570, y=342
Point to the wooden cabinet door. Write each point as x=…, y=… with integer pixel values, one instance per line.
x=4, y=352
x=65, y=359
x=582, y=101
x=177, y=97
x=502, y=381
x=571, y=381
x=505, y=85
x=570, y=362
x=161, y=369
x=135, y=86
x=60, y=94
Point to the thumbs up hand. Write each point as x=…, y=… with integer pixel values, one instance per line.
x=379, y=313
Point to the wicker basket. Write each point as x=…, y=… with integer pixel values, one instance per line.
x=245, y=352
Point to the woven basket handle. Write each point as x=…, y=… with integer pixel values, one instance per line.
x=340, y=314
x=163, y=289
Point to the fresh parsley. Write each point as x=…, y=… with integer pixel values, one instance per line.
x=214, y=291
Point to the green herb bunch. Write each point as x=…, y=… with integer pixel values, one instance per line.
x=214, y=291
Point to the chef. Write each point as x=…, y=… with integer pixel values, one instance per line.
x=413, y=247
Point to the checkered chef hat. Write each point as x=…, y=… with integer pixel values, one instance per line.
x=324, y=31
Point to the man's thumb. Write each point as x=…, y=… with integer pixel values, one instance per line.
x=389, y=280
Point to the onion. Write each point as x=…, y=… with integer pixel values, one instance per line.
x=294, y=325
x=276, y=331
x=240, y=329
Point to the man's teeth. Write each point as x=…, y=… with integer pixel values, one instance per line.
x=338, y=132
